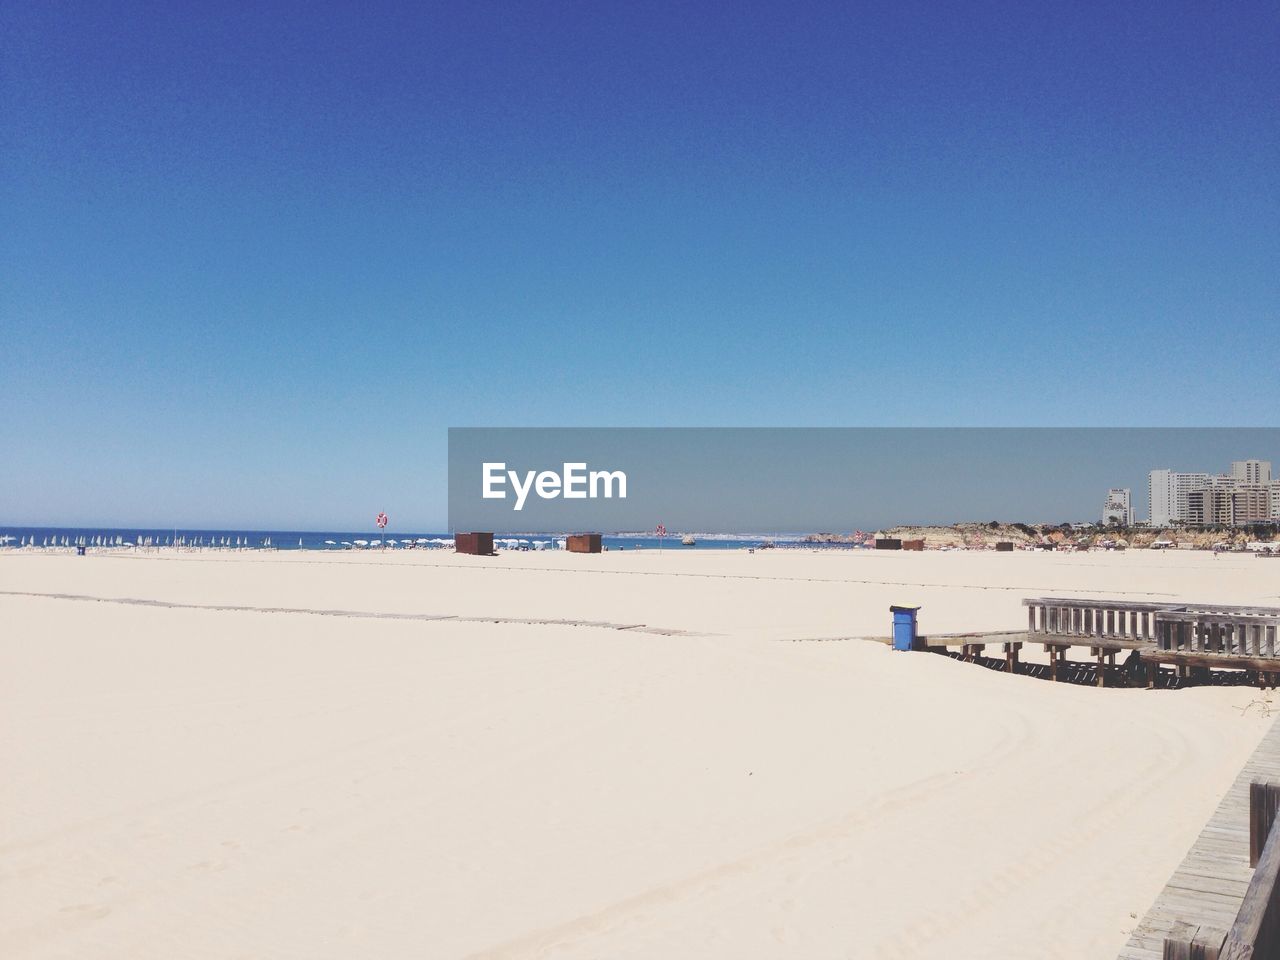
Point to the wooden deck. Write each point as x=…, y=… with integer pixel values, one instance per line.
x=1209, y=885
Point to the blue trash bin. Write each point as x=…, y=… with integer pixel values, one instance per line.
x=904, y=627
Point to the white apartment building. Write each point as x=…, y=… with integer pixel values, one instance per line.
x=1169, y=490
x=1118, y=507
x=1253, y=472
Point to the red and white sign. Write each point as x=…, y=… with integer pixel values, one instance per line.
x=662, y=530
x=381, y=521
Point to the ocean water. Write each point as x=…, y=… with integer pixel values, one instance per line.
x=318, y=540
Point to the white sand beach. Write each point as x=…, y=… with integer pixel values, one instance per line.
x=227, y=755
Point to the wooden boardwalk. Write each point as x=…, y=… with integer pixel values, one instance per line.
x=1209, y=885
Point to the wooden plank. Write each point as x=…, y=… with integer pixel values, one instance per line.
x=1209, y=887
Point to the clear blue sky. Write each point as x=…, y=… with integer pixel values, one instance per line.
x=257, y=260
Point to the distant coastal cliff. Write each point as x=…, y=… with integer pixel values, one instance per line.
x=980, y=535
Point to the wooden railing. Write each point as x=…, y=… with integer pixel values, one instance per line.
x=1191, y=628
x=1227, y=634
x=1255, y=934
x=1092, y=619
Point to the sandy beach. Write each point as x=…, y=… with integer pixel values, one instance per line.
x=627, y=755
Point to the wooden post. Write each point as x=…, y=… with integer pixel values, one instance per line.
x=1186, y=941
x=1177, y=946
x=1264, y=801
x=1207, y=944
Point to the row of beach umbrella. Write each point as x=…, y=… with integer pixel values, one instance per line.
x=242, y=542
x=107, y=540
x=364, y=544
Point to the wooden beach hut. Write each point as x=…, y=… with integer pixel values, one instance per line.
x=477, y=544
x=584, y=543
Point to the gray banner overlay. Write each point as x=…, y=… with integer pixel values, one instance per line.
x=803, y=480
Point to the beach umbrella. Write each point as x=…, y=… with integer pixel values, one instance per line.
x=329, y=543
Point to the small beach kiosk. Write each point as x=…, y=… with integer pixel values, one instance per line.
x=476, y=544
x=584, y=543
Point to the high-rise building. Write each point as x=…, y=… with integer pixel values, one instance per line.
x=1118, y=507
x=1210, y=504
x=1251, y=471
x=1169, y=490
x=1246, y=495
x=1225, y=502
x=1251, y=503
